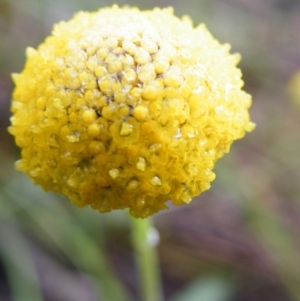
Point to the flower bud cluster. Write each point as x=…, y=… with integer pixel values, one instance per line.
x=124, y=108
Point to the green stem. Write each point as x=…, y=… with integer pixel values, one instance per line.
x=144, y=238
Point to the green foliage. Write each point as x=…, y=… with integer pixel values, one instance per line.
x=208, y=288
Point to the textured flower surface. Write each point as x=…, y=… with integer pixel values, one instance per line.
x=123, y=108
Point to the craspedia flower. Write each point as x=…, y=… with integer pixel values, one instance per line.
x=124, y=108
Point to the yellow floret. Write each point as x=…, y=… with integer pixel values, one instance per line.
x=89, y=116
x=93, y=130
x=141, y=164
x=126, y=129
x=140, y=113
x=133, y=184
x=123, y=108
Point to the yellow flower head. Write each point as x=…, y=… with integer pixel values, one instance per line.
x=123, y=108
x=294, y=87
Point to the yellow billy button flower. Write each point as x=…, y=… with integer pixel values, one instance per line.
x=123, y=108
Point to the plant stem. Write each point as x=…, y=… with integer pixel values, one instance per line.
x=145, y=239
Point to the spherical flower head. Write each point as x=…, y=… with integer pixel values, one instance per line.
x=123, y=108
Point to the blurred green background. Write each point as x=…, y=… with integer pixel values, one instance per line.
x=240, y=241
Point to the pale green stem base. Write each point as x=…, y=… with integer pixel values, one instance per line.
x=145, y=238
